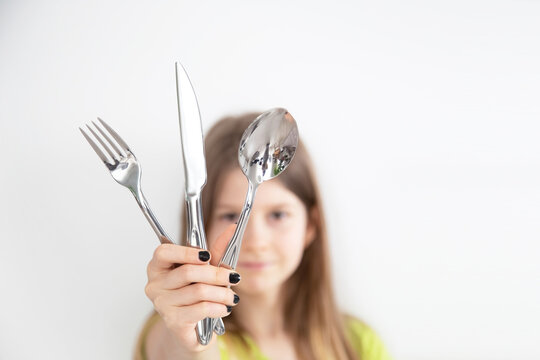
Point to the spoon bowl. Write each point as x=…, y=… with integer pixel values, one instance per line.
x=268, y=145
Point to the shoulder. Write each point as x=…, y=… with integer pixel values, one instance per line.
x=365, y=340
x=147, y=331
x=155, y=341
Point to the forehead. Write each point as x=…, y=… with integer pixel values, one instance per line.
x=234, y=185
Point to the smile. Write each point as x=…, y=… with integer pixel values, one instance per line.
x=254, y=265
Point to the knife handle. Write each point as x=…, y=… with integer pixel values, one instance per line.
x=195, y=226
x=196, y=238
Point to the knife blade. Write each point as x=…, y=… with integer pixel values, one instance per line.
x=194, y=171
x=190, y=133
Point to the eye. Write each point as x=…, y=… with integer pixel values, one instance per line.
x=228, y=217
x=278, y=215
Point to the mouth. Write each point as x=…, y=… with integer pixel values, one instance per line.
x=255, y=265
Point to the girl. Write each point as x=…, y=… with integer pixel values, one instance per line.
x=281, y=305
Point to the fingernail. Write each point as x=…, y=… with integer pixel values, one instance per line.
x=204, y=256
x=234, y=278
x=229, y=308
x=236, y=299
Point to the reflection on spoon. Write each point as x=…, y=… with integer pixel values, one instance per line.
x=267, y=147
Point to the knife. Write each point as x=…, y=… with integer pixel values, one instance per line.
x=194, y=172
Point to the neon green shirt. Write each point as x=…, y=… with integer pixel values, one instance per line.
x=364, y=340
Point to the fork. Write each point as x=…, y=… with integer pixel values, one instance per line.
x=125, y=169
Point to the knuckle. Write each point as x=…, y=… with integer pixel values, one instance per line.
x=149, y=268
x=204, y=307
x=161, y=252
x=158, y=302
x=186, y=272
x=221, y=273
x=148, y=290
x=201, y=291
x=184, y=251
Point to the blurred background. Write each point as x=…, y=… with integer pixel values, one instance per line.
x=423, y=118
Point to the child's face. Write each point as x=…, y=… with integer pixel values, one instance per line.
x=276, y=235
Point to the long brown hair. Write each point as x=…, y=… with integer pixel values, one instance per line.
x=313, y=320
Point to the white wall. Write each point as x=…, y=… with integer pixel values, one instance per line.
x=423, y=116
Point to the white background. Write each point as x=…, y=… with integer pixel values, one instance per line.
x=423, y=118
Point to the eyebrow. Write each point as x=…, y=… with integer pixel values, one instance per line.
x=231, y=206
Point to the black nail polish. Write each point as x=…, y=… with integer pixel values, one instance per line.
x=204, y=256
x=236, y=299
x=229, y=308
x=234, y=278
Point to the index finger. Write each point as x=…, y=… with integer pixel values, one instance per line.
x=167, y=255
x=218, y=247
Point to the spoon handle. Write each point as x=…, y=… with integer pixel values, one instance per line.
x=230, y=257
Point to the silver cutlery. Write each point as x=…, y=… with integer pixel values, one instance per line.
x=124, y=168
x=195, y=173
x=266, y=149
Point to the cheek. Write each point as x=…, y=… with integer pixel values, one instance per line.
x=291, y=245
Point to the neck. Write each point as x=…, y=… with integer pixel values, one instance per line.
x=261, y=314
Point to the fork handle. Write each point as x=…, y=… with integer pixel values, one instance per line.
x=196, y=238
x=152, y=220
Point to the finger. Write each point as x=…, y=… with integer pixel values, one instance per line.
x=208, y=274
x=193, y=294
x=220, y=244
x=166, y=255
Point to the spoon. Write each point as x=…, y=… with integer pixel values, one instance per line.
x=267, y=147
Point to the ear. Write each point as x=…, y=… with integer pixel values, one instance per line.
x=312, y=226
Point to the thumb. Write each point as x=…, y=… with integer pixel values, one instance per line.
x=220, y=244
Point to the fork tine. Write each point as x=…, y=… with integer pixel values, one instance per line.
x=108, y=139
x=95, y=147
x=115, y=135
x=102, y=142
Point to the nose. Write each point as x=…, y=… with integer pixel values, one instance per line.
x=256, y=236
